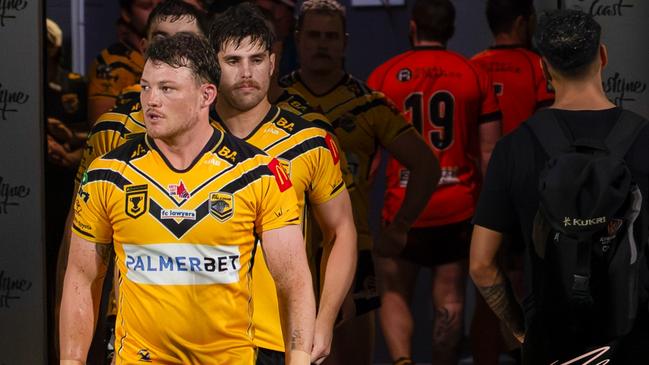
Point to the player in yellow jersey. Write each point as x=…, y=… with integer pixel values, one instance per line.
x=183, y=206
x=126, y=120
x=364, y=121
x=310, y=156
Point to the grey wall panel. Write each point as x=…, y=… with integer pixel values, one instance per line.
x=22, y=319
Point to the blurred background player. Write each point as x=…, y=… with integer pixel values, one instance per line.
x=65, y=110
x=282, y=14
x=196, y=307
x=453, y=106
x=521, y=88
x=243, y=39
x=120, y=64
x=364, y=121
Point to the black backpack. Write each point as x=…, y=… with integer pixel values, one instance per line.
x=586, y=245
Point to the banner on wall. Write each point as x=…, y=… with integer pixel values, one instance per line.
x=22, y=299
x=626, y=35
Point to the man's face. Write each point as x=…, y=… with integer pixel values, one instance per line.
x=139, y=12
x=321, y=42
x=171, y=99
x=245, y=74
x=166, y=28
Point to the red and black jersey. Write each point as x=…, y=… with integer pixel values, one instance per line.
x=518, y=82
x=445, y=97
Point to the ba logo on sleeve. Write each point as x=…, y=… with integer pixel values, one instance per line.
x=221, y=205
x=136, y=200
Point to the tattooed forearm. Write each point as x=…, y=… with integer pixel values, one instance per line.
x=502, y=301
x=296, y=340
x=104, y=252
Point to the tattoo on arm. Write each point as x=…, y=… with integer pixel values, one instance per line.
x=296, y=339
x=104, y=252
x=500, y=298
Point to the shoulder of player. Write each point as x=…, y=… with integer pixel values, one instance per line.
x=236, y=150
x=117, y=119
x=381, y=72
x=294, y=124
x=288, y=80
x=118, y=56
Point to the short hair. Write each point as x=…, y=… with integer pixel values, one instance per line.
x=187, y=50
x=173, y=11
x=435, y=20
x=238, y=23
x=501, y=14
x=569, y=40
x=327, y=7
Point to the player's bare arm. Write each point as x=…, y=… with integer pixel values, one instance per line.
x=87, y=265
x=490, y=133
x=336, y=222
x=492, y=283
x=412, y=152
x=286, y=260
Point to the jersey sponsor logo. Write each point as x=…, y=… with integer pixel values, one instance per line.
x=179, y=190
x=286, y=165
x=182, y=264
x=228, y=154
x=70, y=103
x=178, y=214
x=449, y=176
x=285, y=124
x=404, y=75
x=213, y=161
x=136, y=200
x=333, y=148
x=280, y=175
x=221, y=205
x=140, y=150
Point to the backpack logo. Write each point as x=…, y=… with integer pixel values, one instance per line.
x=568, y=222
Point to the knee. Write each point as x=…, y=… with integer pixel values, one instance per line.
x=447, y=327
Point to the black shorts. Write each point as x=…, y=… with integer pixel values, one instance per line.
x=433, y=246
x=364, y=289
x=269, y=357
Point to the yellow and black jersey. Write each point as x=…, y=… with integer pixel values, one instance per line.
x=65, y=99
x=311, y=158
x=185, y=243
x=115, y=68
x=294, y=103
x=364, y=120
x=111, y=130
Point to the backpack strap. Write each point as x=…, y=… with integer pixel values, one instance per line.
x=553, y=137
x=624, y=133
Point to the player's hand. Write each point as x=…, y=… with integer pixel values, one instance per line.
x=393, y=240
x=511, y=340
x=321, y=341
x=59, y=131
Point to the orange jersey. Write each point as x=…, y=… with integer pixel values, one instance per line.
x=185, y=244
x=445, y=97
x=518, y=82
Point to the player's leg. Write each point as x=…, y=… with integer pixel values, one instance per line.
x=486, y=340
x=449, y=284
x=269, y=357
x=396, y=279
x=353, y=340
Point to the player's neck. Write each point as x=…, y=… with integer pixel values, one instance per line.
x=426, y=43
x=506, y=39
x=580, y=95
x=182, y=150
x=242, y=123
x=321, y=83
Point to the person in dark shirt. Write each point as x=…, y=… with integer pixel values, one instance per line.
x=573, y=59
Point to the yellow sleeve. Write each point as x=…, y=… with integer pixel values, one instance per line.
x=104, y=137
x=277, y=202
x=91, y=220
x=327, y=178
x=386, y=120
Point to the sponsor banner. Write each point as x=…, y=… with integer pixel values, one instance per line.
x=181, y=264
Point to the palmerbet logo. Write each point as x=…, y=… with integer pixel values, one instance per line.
x=182, y=264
